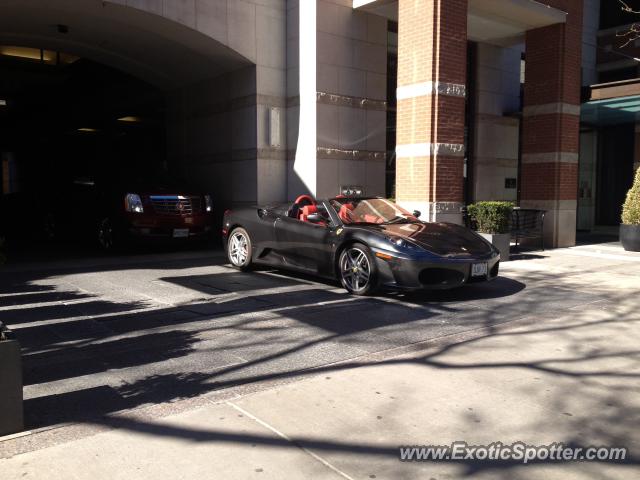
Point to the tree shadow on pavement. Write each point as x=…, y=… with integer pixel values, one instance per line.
x=596, y=402
x=85, y=357
x=114, y=358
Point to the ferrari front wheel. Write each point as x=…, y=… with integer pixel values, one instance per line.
x=239, y=249
x=357, y=270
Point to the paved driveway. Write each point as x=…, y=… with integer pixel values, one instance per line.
x=109, y=334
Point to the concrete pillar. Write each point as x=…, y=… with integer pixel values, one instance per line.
x=590, y=27
x=551, y=123
x=301, y=92
x=351, y=99
x=432, y=58
x=497, y=94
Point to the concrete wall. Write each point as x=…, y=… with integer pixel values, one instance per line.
x=212, y=135
x=341, y=111
x=230, y=22
x=271, y=88
x=230, y=132
x=496, y=134
x=351, y=108
x=590, y=26
x=277, y=130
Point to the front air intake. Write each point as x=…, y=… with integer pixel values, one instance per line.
x=440, y=277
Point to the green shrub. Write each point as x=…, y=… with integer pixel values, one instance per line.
x=491, y=217
x=631, y=207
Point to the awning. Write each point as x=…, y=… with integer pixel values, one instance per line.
x=612, y=103
x=612, y=111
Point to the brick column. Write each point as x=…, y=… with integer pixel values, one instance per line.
x=551, y=123
x=432, y=58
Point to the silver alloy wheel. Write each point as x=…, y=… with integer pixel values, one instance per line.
x=49, y=226
x=238, y=249
x=105, y=234
x=355, y=269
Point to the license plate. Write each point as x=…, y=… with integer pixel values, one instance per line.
x=180, y=232
x=479, y=270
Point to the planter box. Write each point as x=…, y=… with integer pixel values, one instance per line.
x=11, y=419
x=630, y=237
x=502, y=241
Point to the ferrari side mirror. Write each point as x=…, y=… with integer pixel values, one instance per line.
x=417, y=213
x=315, y=218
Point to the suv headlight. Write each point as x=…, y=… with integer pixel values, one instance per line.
x=133, y=203
x=208, y=203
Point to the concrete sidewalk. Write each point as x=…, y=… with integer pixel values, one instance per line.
x=567, y=375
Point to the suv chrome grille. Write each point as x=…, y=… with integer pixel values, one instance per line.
x=175, y=204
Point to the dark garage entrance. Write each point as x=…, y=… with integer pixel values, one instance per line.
x=90, y=88
x=66, y=121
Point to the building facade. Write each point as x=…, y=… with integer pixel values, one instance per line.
x=437, y=103
x=491, y=126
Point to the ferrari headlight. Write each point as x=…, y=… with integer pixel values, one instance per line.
x=402, y=243
x=133, y=203
x=208, y=203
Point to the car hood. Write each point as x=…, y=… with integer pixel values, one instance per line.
x=445, y=239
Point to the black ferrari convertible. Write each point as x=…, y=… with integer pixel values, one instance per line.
x=367, y=243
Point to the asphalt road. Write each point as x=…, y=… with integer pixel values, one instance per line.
x=107, y=334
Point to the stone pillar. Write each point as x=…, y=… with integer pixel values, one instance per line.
x=432, y=59
x=551, y=123
x=497, y=93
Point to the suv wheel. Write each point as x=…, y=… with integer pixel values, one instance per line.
x=106, y=234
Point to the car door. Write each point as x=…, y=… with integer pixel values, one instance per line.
x=302, y=244
x=262, y=231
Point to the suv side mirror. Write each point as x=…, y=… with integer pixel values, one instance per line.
x=315, y=218
x=417, y=213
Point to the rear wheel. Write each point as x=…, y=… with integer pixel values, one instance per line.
x=239, y=249
x=357, y=269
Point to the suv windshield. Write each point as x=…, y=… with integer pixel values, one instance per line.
x=370, y=210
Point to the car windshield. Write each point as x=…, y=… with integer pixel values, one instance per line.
x=370, y=210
